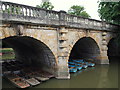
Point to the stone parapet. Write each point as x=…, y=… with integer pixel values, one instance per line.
x=32, y=15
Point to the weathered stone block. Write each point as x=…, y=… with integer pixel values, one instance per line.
x=63, y=38
x=63, y=54
x=104, y=43
x=63, y=30
x=104, y=48
x=104, y=33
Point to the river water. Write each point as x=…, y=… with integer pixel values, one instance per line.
x=101, y=76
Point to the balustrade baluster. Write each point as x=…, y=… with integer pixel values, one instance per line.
x=79, y=20
x=5, y=8
x=68, y=18
x=37, y=13
x=47, y=14
x=10, y=9
x=43, y=14
x=72, y=19
x=55, y=16
x=0, y=7
x=25, y=11
x=15, y=9
x=33, y=12
x=30, y=12
x=52, y=15
x=22, y=12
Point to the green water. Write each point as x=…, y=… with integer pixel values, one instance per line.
x=102, y=76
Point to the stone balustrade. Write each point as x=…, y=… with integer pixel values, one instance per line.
x=12, y=12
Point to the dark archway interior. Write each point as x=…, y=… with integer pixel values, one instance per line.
x=113, y=50
x=85, y=48
x=32, y=52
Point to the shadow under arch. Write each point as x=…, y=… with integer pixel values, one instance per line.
x=32, y=52
x=113, y=51
x=85, y=48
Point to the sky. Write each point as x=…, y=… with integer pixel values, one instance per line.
x=91, y=6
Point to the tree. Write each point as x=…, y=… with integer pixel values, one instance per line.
x=110, y=12
x=78, y=10
x=46, y=5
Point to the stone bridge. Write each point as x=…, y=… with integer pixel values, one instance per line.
x=49, y=39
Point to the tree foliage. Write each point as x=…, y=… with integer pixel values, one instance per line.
x=110, y=12
x=46, y=5
x=78, y=10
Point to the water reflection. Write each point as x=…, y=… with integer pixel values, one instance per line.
x=103, y=79
x=100, y=76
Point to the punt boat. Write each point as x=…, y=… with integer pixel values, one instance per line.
x=46, y=74
x=79, y=67
x=32, y=81
x=79, y=60
x=72, y=69
x=90, y=64
x=16, y=80
x=84, y=65
x=38, y=76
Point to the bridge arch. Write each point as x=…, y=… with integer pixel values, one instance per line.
x=113, y=49
x=85, y=48
x=32, y=52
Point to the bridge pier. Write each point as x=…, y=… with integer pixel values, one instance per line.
x=103, y=55
x=104, y=48
x=63, y=70
x=103, y=58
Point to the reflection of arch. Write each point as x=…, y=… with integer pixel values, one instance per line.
x=32, y=51
x=85, y=47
